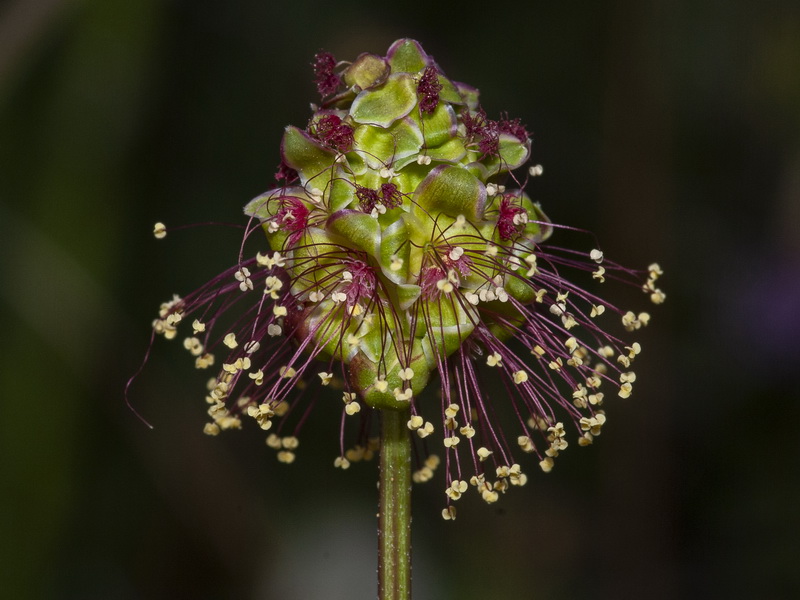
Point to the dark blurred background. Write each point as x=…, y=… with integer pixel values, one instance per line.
x=672, y=130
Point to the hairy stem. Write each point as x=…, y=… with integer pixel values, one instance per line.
x=394, y=516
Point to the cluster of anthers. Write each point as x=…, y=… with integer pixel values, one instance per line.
x=403, y=248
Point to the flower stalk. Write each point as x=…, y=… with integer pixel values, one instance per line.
x=394, y=513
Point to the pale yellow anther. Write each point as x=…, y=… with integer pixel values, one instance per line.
x=634, y=349
x=597, y=310
x=451, y=441
x=211, y=429
x=352, y=408
x=286, y=457
x=339, y=297
x=520, y=377
x=489, y=496
x=316, y=297
x=625, y=390
x=594, y=381
x=596, y=399
x=230, y=341
x=491, y=251
x=628, y=377
x=536, y=170
x=396, y=264
x=198, y=327
x=406, y=374
x=606, y=351
x=252, y=346
x=193, y=345
x=325, y=377
x=575, y=361
x=538, y=351
x=568, y=321
x=449, y=513
x=257, y=377
x=571, y=344
x=341, y=463
x=599, y=274
x=387, y=173
x=426, y=430
x=274, y=330
x=596, y=255
x=204, y=361
x=401, y=394
x=546, y=464
x=451, y=411
x=444, y=286
x=494, y=360
x=556, y=364
x=456, y=253
x=456, y=489
x=415, y=422
x=486, y=295
x=558, y=308
x=160, y=231
x=483, y=453
x=491, y=189
x=525, y=443
x=468, y=431
x=423, y=160
x=472, y=298
x=287, y=372
x=279, y=311
x=586, y=439
x=381, y=384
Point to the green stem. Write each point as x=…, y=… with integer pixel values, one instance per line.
x=394, y=515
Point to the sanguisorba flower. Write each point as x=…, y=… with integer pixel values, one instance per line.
x=403, y=250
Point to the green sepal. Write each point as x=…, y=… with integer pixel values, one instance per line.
x=502, y=318
x=452, y=190
x=342, y=192
x=437, y=127
x=383, y=105
x=394, y=242
x=367, y=71
x=452, y=151
x=358, y=229
x=316, y=247
x=383, y=146
x=364, y=372
x=519, y=287
x=407, y=295
x=512, y=154
x=447, y=324
x=469, y=95
x=307, y=156
x=449, y=92
x=407, y=56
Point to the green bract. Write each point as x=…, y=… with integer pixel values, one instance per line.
x=396, y=198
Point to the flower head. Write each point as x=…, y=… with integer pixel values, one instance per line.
x=398, y=257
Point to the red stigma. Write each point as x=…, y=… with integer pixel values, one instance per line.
x=367, y=198
x=428, y=89
x=331, y=131
x=513, y=127
x=390, y=195
x=327, y=81
x=292, y=217
x=507, y=222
